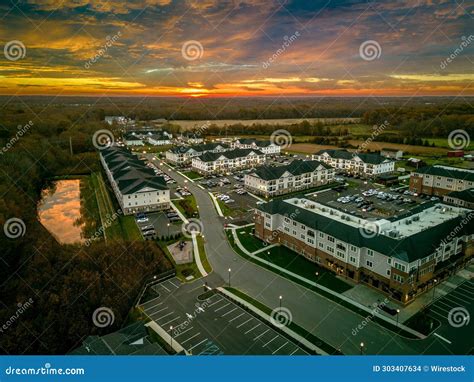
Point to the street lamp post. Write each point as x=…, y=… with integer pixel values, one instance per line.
x=230, y=270
x=171, y=334
x=168, y=228
x=398, y=312
x=281, y=298
x=434, y=288
x=361, y=348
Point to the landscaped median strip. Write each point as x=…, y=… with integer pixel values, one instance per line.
x=339, y=296
x=166, y=337
x=267, y=318
x=218, y=208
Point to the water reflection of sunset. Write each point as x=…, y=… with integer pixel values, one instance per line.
x=60, y=209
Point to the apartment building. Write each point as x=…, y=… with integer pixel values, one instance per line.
x=270, y=181
x=441, y=180
x=227, y=161
x=400, y=256
x=135, y=185
x=266, y=147
x=363, y=164
x=183, y=154
x=463, y=198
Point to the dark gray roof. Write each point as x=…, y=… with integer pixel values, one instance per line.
x=448, y=172
x=131, y=186
x=466, y=195
x=198, y=148
x=365, y=157
x=408, y=249
x=249, y=141
x=231, y=154
x=297, y=167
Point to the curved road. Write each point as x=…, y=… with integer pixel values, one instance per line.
x=324, y=318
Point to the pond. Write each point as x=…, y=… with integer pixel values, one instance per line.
x=60, y=211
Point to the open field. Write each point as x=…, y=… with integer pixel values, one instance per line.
x=250, y=122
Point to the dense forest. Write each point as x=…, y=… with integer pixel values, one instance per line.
x=50, y=291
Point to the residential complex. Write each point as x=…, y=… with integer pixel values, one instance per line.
x=139, y=138
x=266, y=147
x=298, y=175
x=183, y=154
x=135, y=185
x=391, y=153
x=227, y=161
x=191, y=138
x=400, y=256
x=441, y=180
x=363, y=164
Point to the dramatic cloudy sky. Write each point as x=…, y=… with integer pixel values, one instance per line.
x=236, y=47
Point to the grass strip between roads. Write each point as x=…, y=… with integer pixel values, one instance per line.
x=321, y=292
x=292, y=326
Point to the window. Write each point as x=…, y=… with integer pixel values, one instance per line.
x=400, y=267
x=398, y=278
x=353, y=248
x=370, y=252
x=388, y=272
x=331, y=239
x=369, y=264
x=321, y=235
x=310, y=233
x=352, y=259
x=389, y=260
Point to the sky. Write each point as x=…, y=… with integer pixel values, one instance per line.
x=202, y=48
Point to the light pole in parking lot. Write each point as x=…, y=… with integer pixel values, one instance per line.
x=168, y=225
x=434, y=288
x=361, y=348
x=281, y=298
x=171, y=334
x=398, y=312
x=230, y=270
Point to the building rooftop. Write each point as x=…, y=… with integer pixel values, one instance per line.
x=257, y=142
x=364, y=157
x=231, y=154
x=448, y=172
x=297, y=167
x=466, y=195
x=198, y=148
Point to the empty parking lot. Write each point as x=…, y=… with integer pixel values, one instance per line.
x=215, y=325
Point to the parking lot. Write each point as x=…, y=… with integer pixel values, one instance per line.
x=370, y=201
x=215, y=325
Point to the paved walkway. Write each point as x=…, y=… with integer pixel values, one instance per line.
x=324, y=318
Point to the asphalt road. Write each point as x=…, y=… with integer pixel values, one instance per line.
x=324, y=318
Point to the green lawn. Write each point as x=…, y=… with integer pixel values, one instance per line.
x=202, y=254
x=187, y=206
x=294, y=327
x=228, y=211
x=192, y=174
x=298, y=264
x=248, y=240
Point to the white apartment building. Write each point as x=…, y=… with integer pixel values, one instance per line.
x=266, y=147
x=183, y=154
x=363, y=164
x=298, y=175
x=136, y=187
x=227, y=161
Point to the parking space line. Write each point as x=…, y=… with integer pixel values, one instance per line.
x=459, y=299
x=256, y=326
x=222, y=307
x=187, y=330
x=197, y=344
x=158, y=311
x=176, y=286
x=215, y=302
x=154, y=306
x=444, y=303
x=294, y=351
x=146, y=302
x=166, y=315
x=271, y=340
x=460, y=290
x=438, y=314
x=280, y=347
x=164, y=287
x=261, y=334
x=243, y=323
x=230, y=311
x=190, y=338
x=240, y=315
x=170, y=321
x=440, y=308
